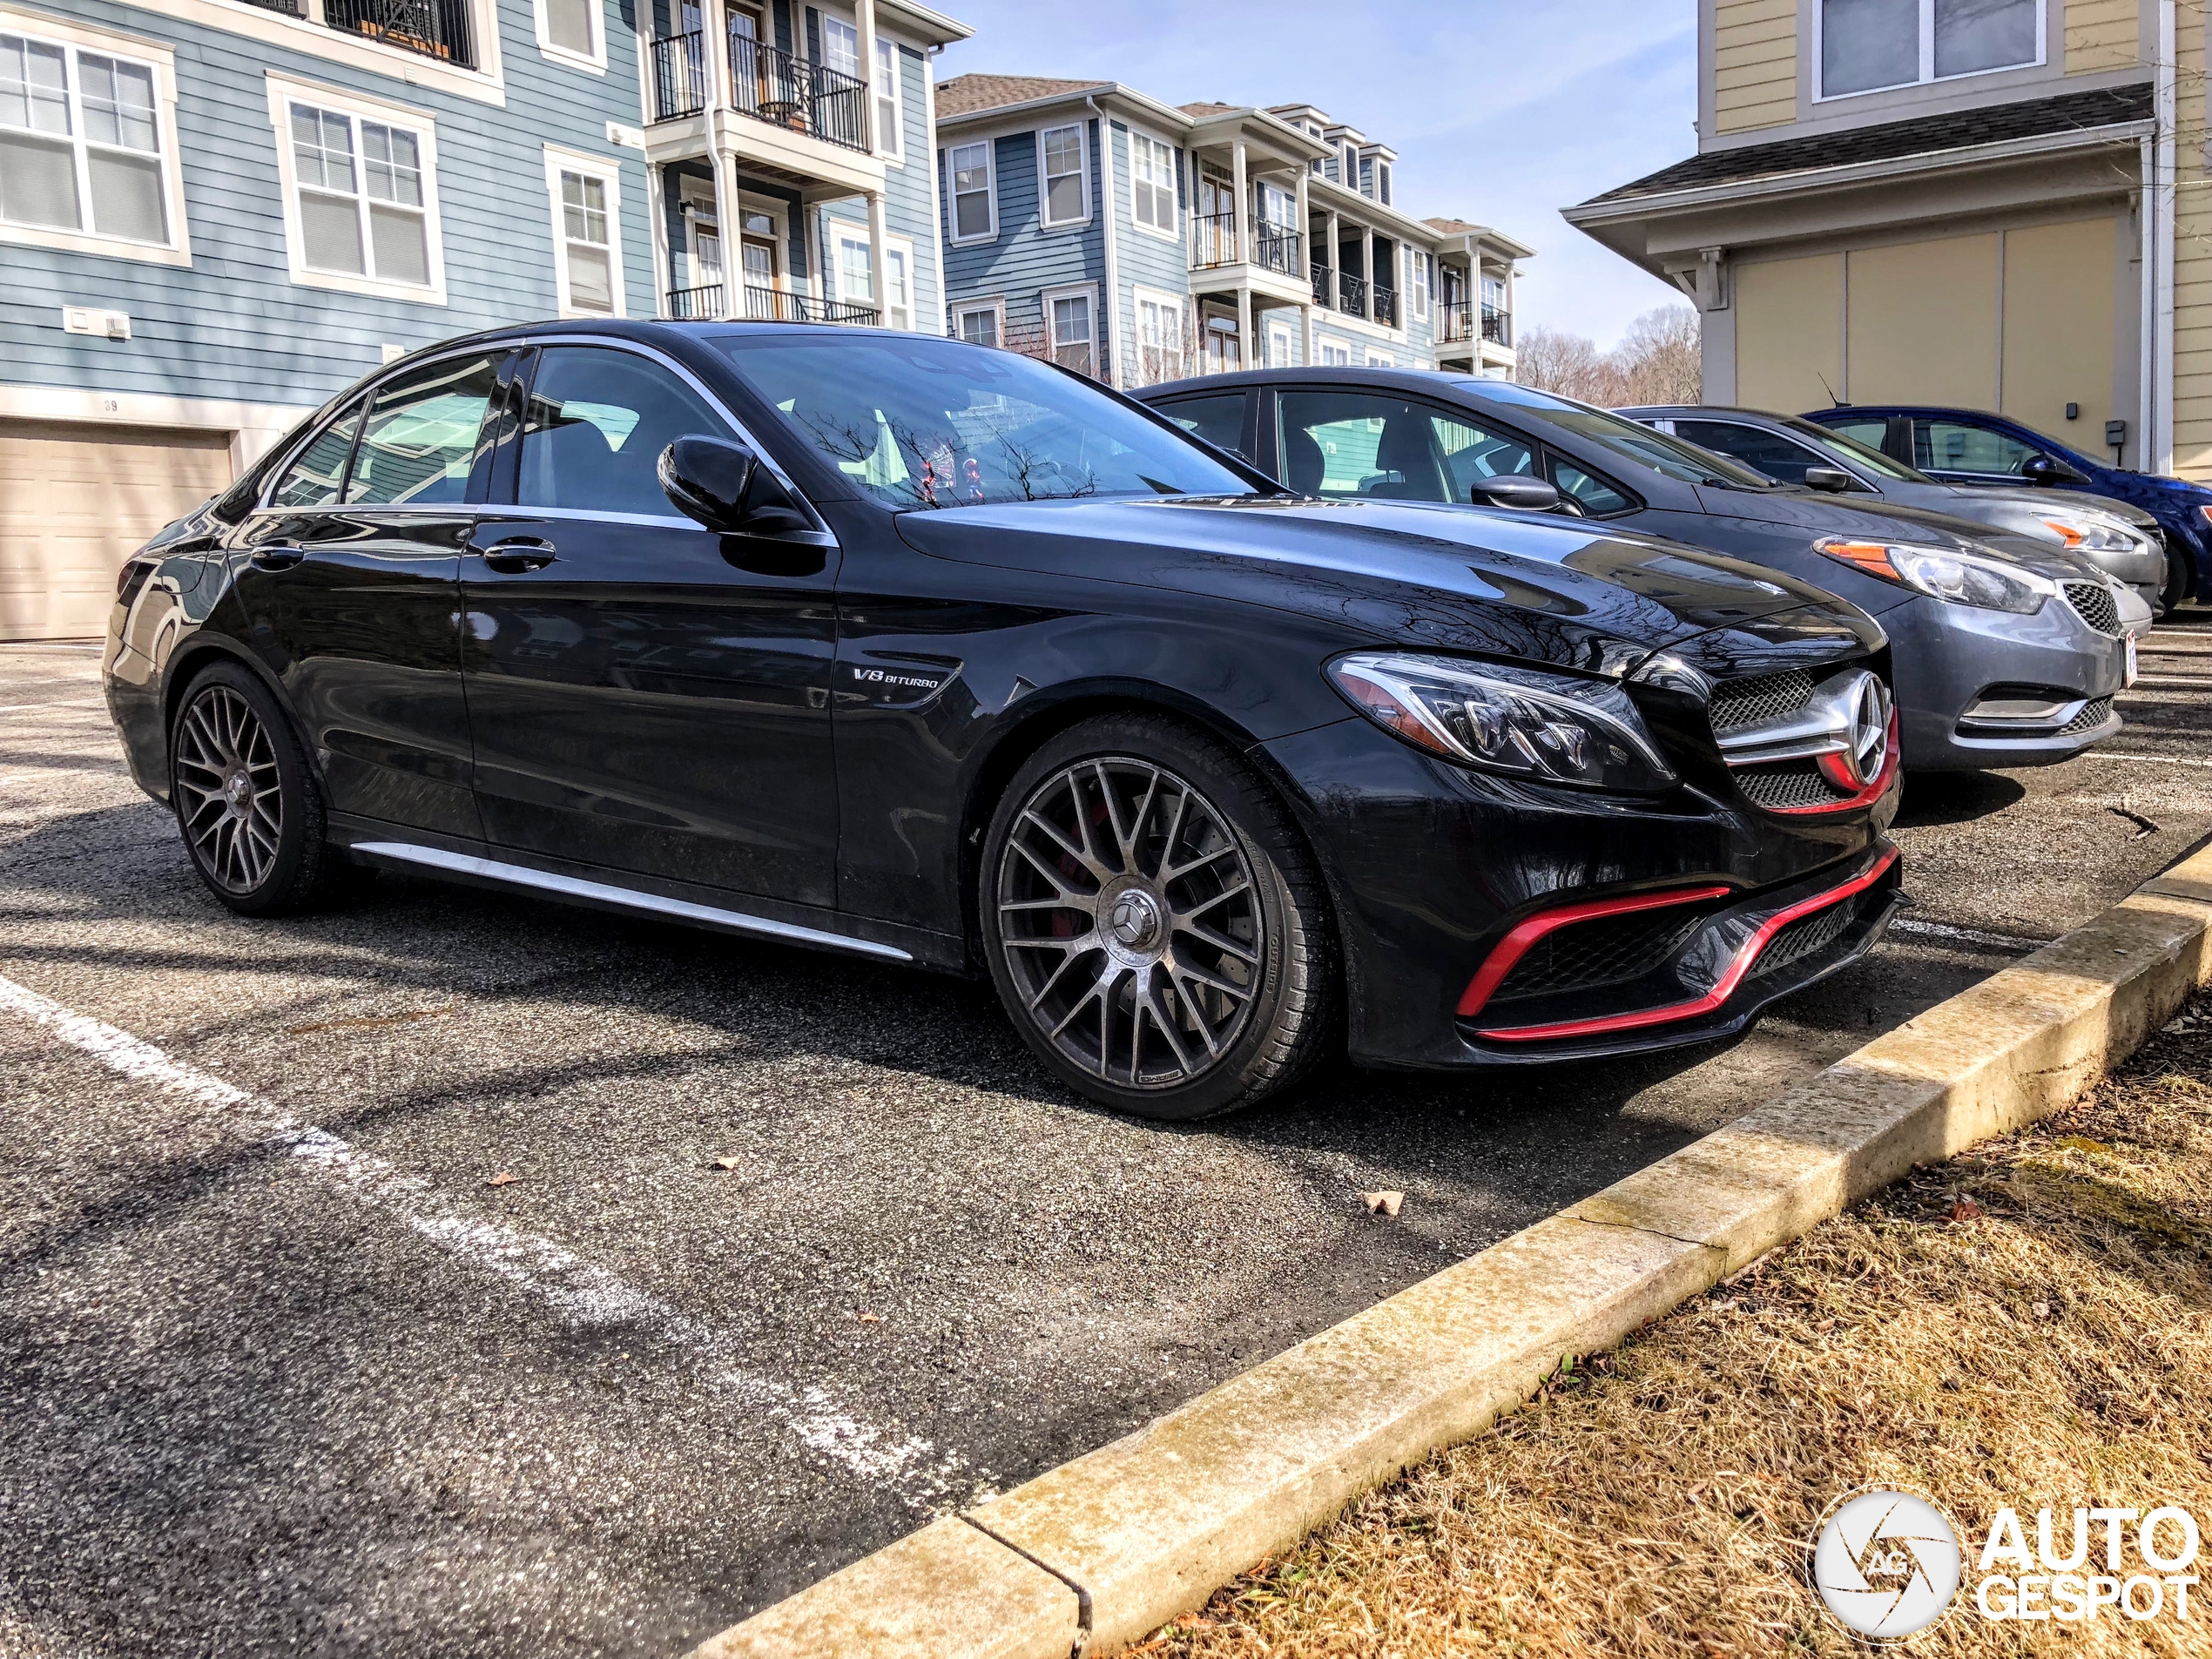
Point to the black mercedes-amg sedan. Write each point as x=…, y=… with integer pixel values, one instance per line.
x=939, y=655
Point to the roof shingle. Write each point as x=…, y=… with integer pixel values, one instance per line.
x=965, y=94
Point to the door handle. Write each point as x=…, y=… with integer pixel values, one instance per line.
x=517, y=555
x=278, y=558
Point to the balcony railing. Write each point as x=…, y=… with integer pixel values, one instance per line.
x=703, y=304
x=1213, y=240
x=1454, y=322
x=695, y=305
x=770, y=85
x=1386, y=305
x=1323, y=291
x=434, y=28
x=679, y=75
x=1352, y=295
x=1276, y=248
x=1497, y=325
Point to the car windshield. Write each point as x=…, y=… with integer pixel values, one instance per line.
x=923, y=423
x=1861, y=455
x=1639, y=445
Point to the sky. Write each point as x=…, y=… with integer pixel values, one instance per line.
x=1502, y=111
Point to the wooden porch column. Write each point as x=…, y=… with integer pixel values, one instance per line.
x=1367, y=266
x=1245, y=352
x=1306, y=329
x=1336, y=276
x=879, y=262
x=657, y=229
x=1305, y=225
x=727, y=221
x=864, y=17
x=1242, y=223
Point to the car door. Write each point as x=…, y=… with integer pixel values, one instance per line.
x=647, y=695
x=348, y=580
x=1355, y=442
x=1960, y=450
x=1761, y=448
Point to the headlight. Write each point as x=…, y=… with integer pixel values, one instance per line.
x=1956, y=577
x=1503, y=718
x=2081, y=533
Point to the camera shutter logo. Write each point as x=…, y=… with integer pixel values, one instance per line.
x=1886, y=1563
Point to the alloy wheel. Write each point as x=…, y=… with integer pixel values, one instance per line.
x=232, y=800
x=1129, y=921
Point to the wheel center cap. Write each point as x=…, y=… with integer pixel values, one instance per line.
x=237, y=791
x=1135, y=921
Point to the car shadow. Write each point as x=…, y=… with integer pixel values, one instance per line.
x=1933, y=797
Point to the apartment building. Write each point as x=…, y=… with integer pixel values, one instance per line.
x=1999, y=205
x=216, y=213
x=1140, y=241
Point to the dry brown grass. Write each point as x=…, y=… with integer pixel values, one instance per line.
x=2029, y=1326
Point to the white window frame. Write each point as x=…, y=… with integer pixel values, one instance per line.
x=1382, y=181
x=830, y=22
x=145, y=54
x=609, y=173
x=1070, y=291
x=995, y=308
x=284, y=91
x=1380, y=359
x=1081, y=130
x=592, y=63
x=1333, y=354
x=485, y=84
x=1169, y=305
x=1927, y=77
x=1424, y=279
x=1172, y=231
x=990, y=149
x=1287, y=335
x=844, y=234
x=890, y=141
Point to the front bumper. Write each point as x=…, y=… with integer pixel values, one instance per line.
x=1948, y=659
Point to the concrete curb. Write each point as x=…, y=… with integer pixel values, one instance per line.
x=1096, y=1553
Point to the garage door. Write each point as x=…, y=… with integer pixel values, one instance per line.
x=75, y=501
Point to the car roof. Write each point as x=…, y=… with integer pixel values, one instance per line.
x=1426, y=379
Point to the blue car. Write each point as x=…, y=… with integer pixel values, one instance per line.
x=1974, y=447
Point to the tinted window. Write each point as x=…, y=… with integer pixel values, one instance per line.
x=316, y=478
x=421, y=438
x=1957, y=446
x=598, y=421
x=1373, y=444
x=1859, y=451
x=1624, y=438
x=936, y=423
x=1218, y=418
x=1769, y=452
x=1596, y=496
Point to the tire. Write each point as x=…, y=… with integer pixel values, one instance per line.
x=248, y=804
x=2177, y=583
x=1154, y=922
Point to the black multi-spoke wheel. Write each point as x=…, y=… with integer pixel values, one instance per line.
x=249, y=806
x=1154, y=923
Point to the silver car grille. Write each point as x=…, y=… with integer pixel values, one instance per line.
x=2093, y=602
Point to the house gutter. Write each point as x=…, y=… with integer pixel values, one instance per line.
x=2157, y=450
x=1110, y=331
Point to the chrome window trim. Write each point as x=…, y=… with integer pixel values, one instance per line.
x=361, y=398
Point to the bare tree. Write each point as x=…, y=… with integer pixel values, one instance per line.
x=1655, y=362
x=1557, y=362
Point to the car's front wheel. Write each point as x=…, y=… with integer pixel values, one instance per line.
x=1154, y=922
x=249, y=805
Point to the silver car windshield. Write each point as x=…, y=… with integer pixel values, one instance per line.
x=1639, y=445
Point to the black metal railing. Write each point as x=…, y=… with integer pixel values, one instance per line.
x=1386, y=305
x=1213, y=240
x=1276, y=248
x=434, y=28
x=1497, y=325
x=1352, y=295
x=1324, y=290
x=772, y=85
x=289, y=8
x=679, y=75
x=704, y=304
x=695, y=305
x=1454, y=322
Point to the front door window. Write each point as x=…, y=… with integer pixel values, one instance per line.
x=1963, y=446
x=1372, y=444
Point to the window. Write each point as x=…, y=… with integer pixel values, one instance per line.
x=922, y=423
x=1637, y=445
x=1152, y=183
x=1420, y=264
x=1382, y=182
x=84, y=143
x=570, y=30
x=587, y=235
x=1956, y=446
x=1380, y=360
x=360, y=196
x=1866, y=45
x=855, y=271
x=974, y=210
x=841, y=47
x=1067, y=195
x=1282, y=349
x=1348, y=166
x=1873, y=434
x=1374, y=445
x=1219, y=417
x=1159, y=338
x=597, y=423
x=1767, y=452
x=1595, y=496
x=856, y=279
x=899, y=312
x=977, y=325
x=1335, y=354
x=889, y=124
x=1069, y=318
x=420, y=441
x=318, y=476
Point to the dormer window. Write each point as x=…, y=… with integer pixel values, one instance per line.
x=1348, y=174
x=1382, y=182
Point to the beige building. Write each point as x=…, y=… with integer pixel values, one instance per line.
x=2001, y=204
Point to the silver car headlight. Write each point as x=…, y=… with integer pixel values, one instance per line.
x=2086, y=533
x=1500, y=717
x=1956, y=577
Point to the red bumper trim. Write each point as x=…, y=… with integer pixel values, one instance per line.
x=1517, y=944
x=1745, y=956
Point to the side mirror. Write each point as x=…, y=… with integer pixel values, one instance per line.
x=1834, y=480
x=2049, y=469
x=724, y=485
x=1522, y=494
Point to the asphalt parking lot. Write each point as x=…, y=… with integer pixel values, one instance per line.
x=456, y=1274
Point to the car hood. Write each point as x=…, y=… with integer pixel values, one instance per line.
x=2023, y=509
x=1820, y=515
x=1406, y=572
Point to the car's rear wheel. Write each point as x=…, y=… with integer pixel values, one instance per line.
x=248, y=803
x=2177, y=580
x=1154, y=920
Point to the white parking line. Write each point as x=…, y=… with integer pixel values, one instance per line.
x=2146, y=761
x=583, y=1293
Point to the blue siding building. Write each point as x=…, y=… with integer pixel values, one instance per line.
x=1140, y=241
x=216, y=213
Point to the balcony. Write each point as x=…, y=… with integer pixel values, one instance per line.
x=703, y=304
x=772, y=85
x=1322, y=292
x=1213, y=240
x=1386, y=305
x=1497, y=325
x=1454, y=322
x=1352, y=295
x=679, y=75
x=1275, y=248
x=436, y=29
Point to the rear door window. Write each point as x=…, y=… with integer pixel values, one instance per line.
x=1219, y=417
x=419, y=441
x=1376, y=445
x=318, y=475
x=1873, y=433
x=1755, y=447
x=1962, y=446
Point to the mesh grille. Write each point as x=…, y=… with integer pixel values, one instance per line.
x=2094, y=601
x=1806, y=936
x=2094, y=714
x=1786, y=783
x=1739, y=703
x=1605, y=950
